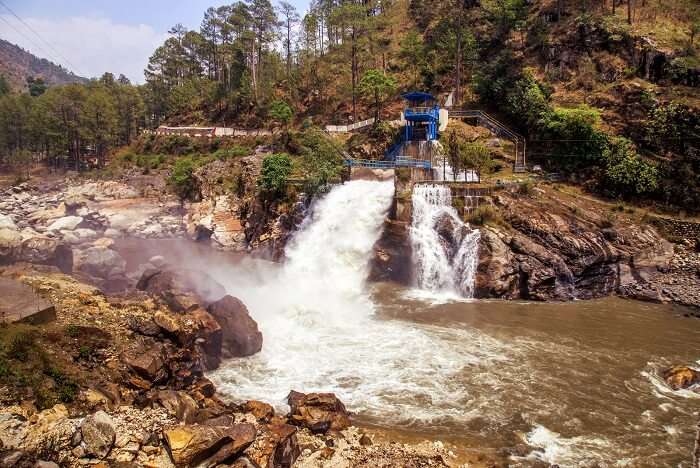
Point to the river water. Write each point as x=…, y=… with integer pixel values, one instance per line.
x=574, y=384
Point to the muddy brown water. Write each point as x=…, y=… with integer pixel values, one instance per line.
x=569, y=383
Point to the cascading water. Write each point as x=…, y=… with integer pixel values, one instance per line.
x=320, y=331
x=445, y=249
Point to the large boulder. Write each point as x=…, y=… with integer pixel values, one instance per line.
x=6, y=222
x=67, y=223
x=318, y=412
x=98, y=434
x=10, y=244
x=681, y=377
x=181, y=290
x=276, y=446
x=178, y=404
x=240, y=333
x=147, y=362
x=49, y=251
x=102, y=263
x=194, y=329
x=196, y=444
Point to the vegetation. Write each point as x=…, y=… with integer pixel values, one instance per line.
x=276, y=169
x=561, y=73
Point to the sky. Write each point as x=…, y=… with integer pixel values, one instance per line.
x=93, y=37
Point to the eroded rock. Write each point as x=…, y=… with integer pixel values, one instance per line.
x=191, y=445
x=319, y=412
x=681, y=377
x=240, y=333
x=98, y=433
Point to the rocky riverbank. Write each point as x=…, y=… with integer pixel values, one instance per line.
x=120, y=380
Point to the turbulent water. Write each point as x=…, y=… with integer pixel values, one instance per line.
x=445, y=250
x=576, y=383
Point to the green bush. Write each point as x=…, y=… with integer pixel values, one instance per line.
x=483, y=215
x=625, y=172
x=182, y=178
x=276, y=169
x=233, y=152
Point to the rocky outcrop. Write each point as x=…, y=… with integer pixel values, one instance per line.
x=549, y=250
x=276, y=446
x=318, y=412
x=240, y=335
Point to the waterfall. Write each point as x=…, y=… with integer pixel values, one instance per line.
x=319, y=323
x=445, y=249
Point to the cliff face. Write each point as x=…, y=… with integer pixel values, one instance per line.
x=554, y=248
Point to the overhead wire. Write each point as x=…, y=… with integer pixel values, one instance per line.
x=56, y=52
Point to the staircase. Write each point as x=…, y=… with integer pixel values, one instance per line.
x=497, y=128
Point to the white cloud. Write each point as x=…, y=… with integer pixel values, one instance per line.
x=94, y=45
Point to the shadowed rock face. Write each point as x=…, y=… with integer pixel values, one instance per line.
x=553, y=252
x=240, y=333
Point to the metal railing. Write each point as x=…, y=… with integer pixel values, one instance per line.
x=487, y=121
x=401, y=161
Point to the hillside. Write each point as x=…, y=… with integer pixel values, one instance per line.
x=16, y=64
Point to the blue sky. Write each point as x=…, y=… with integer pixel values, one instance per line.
x=91, y=37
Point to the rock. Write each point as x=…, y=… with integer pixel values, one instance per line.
x=365, y=440
x=181, y=290
x=319, y=412
x=67, y=223
x=6, y=222
x=44, y=250
x=178, y=404
x=145, y=327
x=240, y=333
x=98, y=434
x=102, y=263
x=275, y=447
x=45, y=464
x=10, y=244
x=147, y=362
x=196, y=327
x=11, y=459
x=261, y=411
x=681, y=377
x=191, y=445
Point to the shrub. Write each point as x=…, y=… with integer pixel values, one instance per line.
x=626, y=172
x=526, y=188
x=484, y=214
x=182, y=178
x=276, y=169
x=233, y=152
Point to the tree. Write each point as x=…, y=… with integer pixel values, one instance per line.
x=476, y=157
x=453, y=151
x=321, y=160
x=182, y=179
x=4, y=86
x=413, y=53
x=282, y=113
x=36, y=86
x=626, y=172
x=353, y=17
x=276, y=168
x=377, y=86
x=291, y=18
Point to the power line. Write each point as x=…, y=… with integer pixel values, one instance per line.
x=41, y=38
x=43, y=51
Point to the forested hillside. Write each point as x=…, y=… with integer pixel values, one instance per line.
x=605, y=91
x=17, y=65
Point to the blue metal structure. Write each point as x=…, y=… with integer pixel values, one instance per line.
x=422, y=111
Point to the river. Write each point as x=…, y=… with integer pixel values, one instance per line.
x=574, y=384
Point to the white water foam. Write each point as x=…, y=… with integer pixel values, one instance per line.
x=439, y=268
x=321, y=334
x=571, y=452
